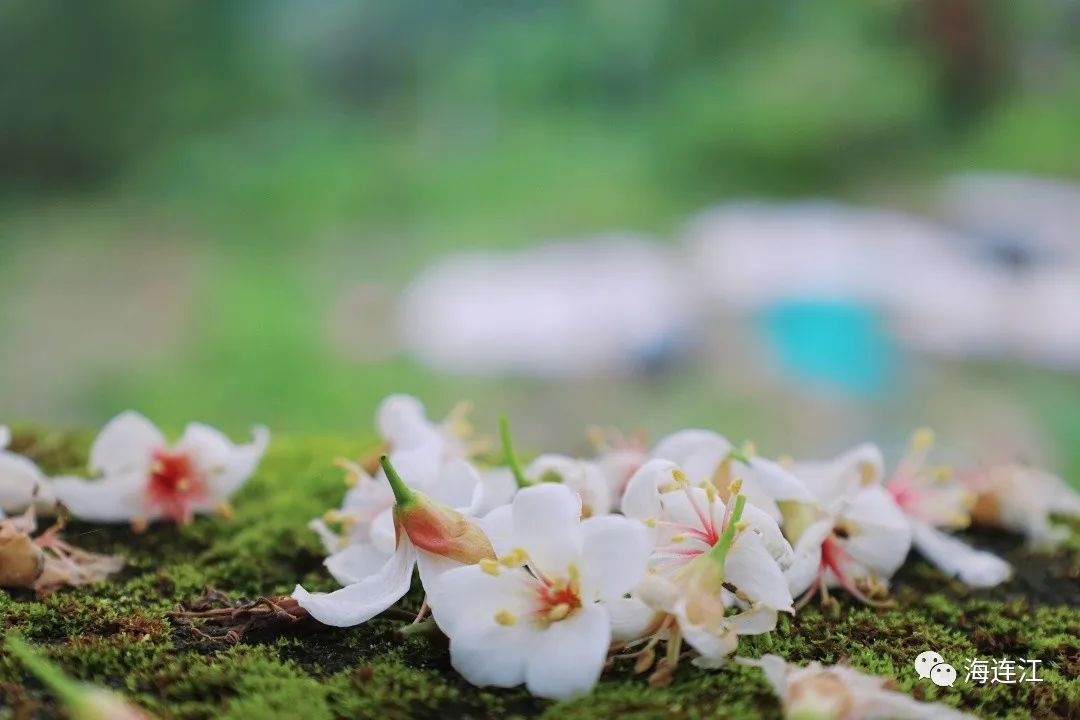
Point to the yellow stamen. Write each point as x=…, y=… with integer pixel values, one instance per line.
x=650, y=522
x=225, y=510
x=710, y=492
x=183, y=485
x=680, y=477
x=941, y=473
x=678, y=538
x=505, y=617
x=741, y=525
x=515, y=558
x=491, y=567
x=749, y=449
x=558, y=612
x=735, y=487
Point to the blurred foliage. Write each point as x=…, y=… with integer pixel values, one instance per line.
x=292, y=150
x=778, y=97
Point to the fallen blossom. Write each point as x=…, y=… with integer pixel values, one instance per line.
x=934, y=500
x=1022, y=499
x=142, y=478
x=538, y=614
x=427, y=534
x=22, y=484
x=838, y=692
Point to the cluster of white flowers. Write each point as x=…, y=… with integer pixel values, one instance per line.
x=537, y=573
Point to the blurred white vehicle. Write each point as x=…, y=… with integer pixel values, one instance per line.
x=569, y=309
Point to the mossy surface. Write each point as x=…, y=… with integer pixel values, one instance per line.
x=117, y=633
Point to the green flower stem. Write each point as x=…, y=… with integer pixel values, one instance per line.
x=403, y=496
x=511, y=456
x=49, y=675
x=719, y=551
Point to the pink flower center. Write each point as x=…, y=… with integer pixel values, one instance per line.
x=557, y=600
x=174, y=485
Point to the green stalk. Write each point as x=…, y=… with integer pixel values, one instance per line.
x=511, y=456
x=50, y=676
x=720, y=550
x=403, y=496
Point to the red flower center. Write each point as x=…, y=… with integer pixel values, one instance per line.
x=174, y=485
x=557, y=601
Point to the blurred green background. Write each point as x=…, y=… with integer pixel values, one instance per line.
x=206, y=207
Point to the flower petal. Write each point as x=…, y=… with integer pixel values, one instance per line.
x=807, y=562
x=116, y=499
x=496, y=488
x=22, y=484
x=880, y=533
x=751, y=569
x=680, y=445
x=362, y=601
x=546, y=520
x=975, y=568
x=771, y=536
x=355, y=562
x=402, y=422
x=456, y=484
x=125, y=445
x=498, y=525
x=242, y=463
x=569, y=655
x=641, y=499
x=631, y=618
x=614, y=551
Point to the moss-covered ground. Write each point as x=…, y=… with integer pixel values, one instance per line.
x=118, y=633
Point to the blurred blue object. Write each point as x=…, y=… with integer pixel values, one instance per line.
x=836, y=344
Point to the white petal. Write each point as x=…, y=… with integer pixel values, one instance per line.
x=631, y=618
x=112, y=500
x=355, y=563
x=331, y=541
x=465, y=603
x=456, y=484
x=22, y=483
x=568, y=657
x=976, y=568
x=362, y=601
x=546, y=520
x=807, y=563
x=614, y=551
x=880, y=533
x=382, y=534
x=775, y=668
x=641, y=499
x=754, y=621
x=467, y=599
x=713, y=646
x=496, y=488
x=777, y=482
x=432, y=568
x=419, y=466
x=775, y=542
x=242, y=463
x=680, y=445
x=5, y=436
x=402, y=422
x=208, y=448
x=751, y=569
x=125, y=445
x=498, y=525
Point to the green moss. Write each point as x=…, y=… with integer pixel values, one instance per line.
x=117, y=633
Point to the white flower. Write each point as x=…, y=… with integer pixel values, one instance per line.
x=934, y=498
x=618, y=456
x=143, y=478
x=430, y=459
x=22, y=484
x=1022, y=499
x=584, y=477
x=423, y=533
x=853, y=536
x=708, y=557
x=837, y=692
x=538, y=616
x=706, y=455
